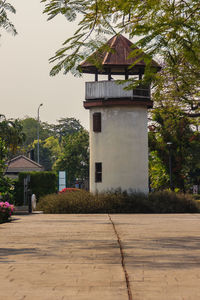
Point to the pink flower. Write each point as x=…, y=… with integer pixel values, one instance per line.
x=6, y=207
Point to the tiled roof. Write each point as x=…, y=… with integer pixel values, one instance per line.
x=118, y=56
x=23, y=163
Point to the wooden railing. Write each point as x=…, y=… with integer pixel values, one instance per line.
x=110, y=89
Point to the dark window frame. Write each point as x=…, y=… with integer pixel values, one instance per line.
x=97, y=122
x=98, y=172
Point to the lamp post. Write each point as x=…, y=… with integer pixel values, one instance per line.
x=38, y=133
x=170, y=165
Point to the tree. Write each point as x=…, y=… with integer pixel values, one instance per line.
x=172, y=125
x=168, y=28
x=11, y=137
x=50, y=151
x=51, y=136
x=6, y=183
x=74, y=158
x=3, y=153
x=53, y=145
x=11, y=133
x=180, y=88
x=66, y=126
x=5, y=23
x=158, y=172
x=63, y=127
x=46, y=159
x=30, y=127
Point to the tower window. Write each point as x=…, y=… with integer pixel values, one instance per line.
x=98, y=172
x=97, y=122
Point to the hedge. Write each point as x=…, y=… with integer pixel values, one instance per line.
x=117, y=202
x=41, y=184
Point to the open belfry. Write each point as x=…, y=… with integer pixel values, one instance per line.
x=118, y=120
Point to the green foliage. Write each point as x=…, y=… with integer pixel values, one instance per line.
x=3, y=154
x=41, y=183
x=30, y=127
x=166, y=28
x=46, y=155
x=178, y=86
x=6, y=188
x=6, y=184
x=50, y=151
x=53, y=145
x=5, y=23
x=172, y=125
x=11, y=133
x=65, y=127
x=159, y=177
x=118, y=202
x=51, y=136
x=75, y=156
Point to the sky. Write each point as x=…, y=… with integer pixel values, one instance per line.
x=24, y=68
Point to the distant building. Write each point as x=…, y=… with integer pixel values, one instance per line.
x=22, y=163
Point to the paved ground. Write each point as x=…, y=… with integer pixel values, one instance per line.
x=95, y=257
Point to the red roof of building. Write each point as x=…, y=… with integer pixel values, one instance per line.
x=117, y=58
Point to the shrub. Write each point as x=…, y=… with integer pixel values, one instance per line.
x=117, y=202
x=73, y=202
x=41, y=183
x=170, y=202
x=6, y=211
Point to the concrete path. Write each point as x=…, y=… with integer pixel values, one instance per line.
x=100, y=257
x=162, y=255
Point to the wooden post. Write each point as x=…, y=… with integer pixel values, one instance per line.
x=126, y=74
x=109, y=75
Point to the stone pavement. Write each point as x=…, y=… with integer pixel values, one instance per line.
x=68, y=257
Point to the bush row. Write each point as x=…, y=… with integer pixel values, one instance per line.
x=118, y=202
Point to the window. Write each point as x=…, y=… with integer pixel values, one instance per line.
x=97, y=122
x=98, y=172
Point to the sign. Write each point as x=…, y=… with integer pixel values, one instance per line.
x=62, y=180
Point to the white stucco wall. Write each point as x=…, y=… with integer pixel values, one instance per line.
x=122, y=147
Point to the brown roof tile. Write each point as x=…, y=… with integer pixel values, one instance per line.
x=119, y=56
x=24, y=162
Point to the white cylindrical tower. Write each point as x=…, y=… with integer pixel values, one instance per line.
x=121, y=147
x=118, y=122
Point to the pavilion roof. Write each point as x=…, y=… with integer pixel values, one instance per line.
x=117, y=56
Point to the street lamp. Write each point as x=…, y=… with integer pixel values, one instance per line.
x=170, y=164
x=38, y=133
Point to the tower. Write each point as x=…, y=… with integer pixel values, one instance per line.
x=118, y=120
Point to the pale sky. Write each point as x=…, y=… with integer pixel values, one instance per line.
x=24, y=68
